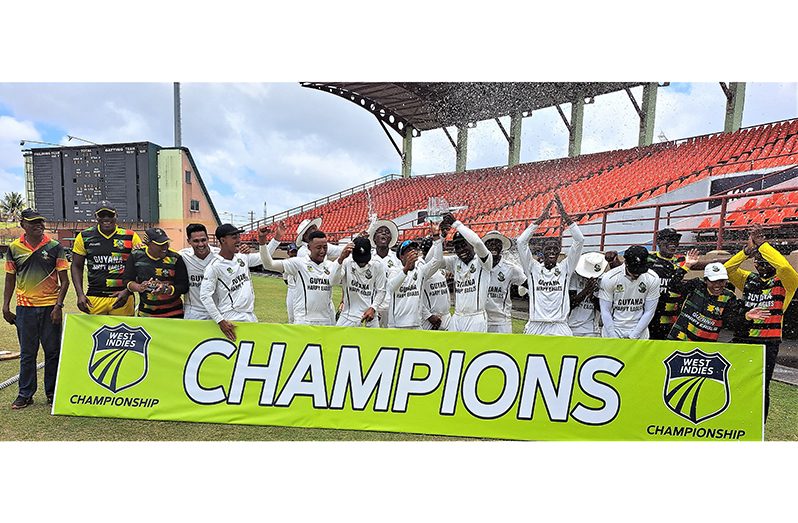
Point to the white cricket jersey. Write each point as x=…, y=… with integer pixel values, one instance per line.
x=391, y=264
x=193, y=309
x=363, y=287
x=313, y=303
x=584, y=318
x=404, y=306
x=435, y=295
x=628, y=297
x=548, y=288
x=226, y=290
x=471, y=282
x=499, y=304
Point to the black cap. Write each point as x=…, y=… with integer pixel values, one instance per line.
x=458, y=239
x=636, y=259
x=406, y=245
x=31, y=215
x=105, y=205
x=156, y=235
x=669, y=233
x=226, y=229
x=362, y=251
x=425, y=243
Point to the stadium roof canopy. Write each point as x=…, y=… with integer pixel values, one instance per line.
x=422, y=106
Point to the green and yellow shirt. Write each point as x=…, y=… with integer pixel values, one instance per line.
x=106, y=257
x=36, y=268
x=773, y=294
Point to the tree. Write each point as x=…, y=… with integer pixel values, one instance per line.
x=11, y=206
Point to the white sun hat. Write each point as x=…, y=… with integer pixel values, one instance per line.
x=591, y=265
x=496, y=235
x=303, y=227
x=391, y=227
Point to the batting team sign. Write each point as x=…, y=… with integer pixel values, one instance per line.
x=458, y=384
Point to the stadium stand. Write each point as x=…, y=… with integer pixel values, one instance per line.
x=506, y=198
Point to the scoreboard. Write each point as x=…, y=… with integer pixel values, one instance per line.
x=68, y=182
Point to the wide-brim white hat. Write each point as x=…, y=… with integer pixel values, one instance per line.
x=391, y=227
x=591, y=265
x=496, y=235
x=303, y=227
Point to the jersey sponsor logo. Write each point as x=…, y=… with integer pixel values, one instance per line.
x=326, y=271
x=696, y=384
x=642, y=287
x=390, y=263
x=45, y=255
x=119, y=357
x=230, y=270
x=472, y=269
x=619, y=287
x=368, y=274
x=557, y=271
x=500, y=276
x=240, y=262
x=119, y=244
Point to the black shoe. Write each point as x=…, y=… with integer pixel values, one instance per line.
x=21, y=403
x=49, y=400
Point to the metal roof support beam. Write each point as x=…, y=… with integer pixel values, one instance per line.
x=577, y=118
x=393, y=142
x=647, y=114
x=449, y=136
x=514, y=154
x=462, y=148
x=407, y=155
x=735, y=101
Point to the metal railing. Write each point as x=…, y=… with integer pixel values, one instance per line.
x=319, y=202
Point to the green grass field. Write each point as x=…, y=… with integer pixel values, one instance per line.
x=35, y=422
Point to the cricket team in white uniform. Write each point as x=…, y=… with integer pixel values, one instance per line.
x=410, y=290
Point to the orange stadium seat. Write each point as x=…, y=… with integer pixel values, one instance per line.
x=610, y=179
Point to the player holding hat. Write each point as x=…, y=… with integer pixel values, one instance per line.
x=503, y=274
x=628, y=296
x=583, y=293
x=158, y=274
x=226, y=290
x=105, y=248
x=362, y=279
x=313, y=274
x=549, y=302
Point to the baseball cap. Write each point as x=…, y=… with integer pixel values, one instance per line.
x=715, y=271
x=636, y=259
x=156, y=235
x=668, y=233
x=31, y=215
x=105, y=205
x=291, y=247
x=591, y=265
x=362, y=251
x=226, y=229
x=407, y=245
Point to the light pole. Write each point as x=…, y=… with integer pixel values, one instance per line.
x=70, y=138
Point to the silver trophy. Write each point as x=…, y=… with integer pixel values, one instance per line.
x=436, y=209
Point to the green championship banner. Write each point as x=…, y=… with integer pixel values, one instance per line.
x=506, y=386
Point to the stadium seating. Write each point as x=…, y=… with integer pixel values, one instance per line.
x=506, y=198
